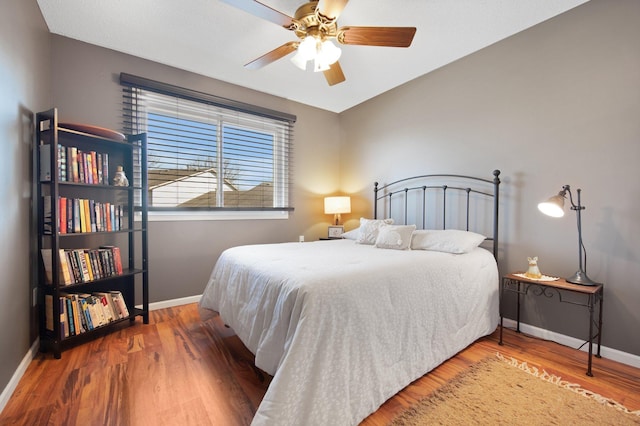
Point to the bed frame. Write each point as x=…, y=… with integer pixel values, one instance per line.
x=423, y=200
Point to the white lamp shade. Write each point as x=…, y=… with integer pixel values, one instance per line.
x=553, y=207
x=299, y=61
x=337, y=205
x=307, y=48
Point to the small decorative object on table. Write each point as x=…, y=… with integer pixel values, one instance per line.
x=533, y=271
x=120, y=179
x=336, y=231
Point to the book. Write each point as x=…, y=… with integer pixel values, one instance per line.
x=75, y=266
x=82, y=264
x=120, y=303
x=74, y=164
x=69, y=215
x=98, y=216
x=64, y=267
x=105, y=168
x=73, y=313
x=89, y=167
x=99, y=168
x=64, y=322
x=77, y=306
x=82, y=300
x=106, y=309
x=107, y=215
x=62, y=163
x=94, y=168
x=79, y=159
x=115, y=259
x=100, y=317
x=62, y=214
x=70, y=319
x=87, y=213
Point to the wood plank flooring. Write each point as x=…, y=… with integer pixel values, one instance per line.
x=179, y=370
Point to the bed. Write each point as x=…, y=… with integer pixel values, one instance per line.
x=343, y=325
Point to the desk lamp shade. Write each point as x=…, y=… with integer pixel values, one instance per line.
x=336, y=206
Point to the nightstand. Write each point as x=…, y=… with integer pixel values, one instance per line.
x=581, y=295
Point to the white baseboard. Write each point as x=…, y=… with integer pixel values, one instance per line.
x=173, y=302
x=17, y=375
x=572, y=342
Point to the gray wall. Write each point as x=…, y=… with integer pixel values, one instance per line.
x=24, y=88
x=556, y=104
x=182, y=254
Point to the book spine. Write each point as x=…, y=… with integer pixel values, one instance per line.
x=94, y=168
x=74, y=164
x=105, y=168
x=62, y=214
x=70, y=319
x=64, y=267
x=62, y=163
x=122, y=306
x=85, y=313
x=99, y=168
x=64, y=322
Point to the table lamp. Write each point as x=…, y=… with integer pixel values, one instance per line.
x=554, y=207
x=337, y=206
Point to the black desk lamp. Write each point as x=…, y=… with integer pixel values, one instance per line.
x=554, y=207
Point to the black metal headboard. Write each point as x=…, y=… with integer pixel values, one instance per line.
x=426, y=197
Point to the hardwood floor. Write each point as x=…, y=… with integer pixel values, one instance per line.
x=179, y=370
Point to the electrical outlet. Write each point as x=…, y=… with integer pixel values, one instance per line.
x=34, y=296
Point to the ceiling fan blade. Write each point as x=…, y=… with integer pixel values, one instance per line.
x=262, y=11
x=331, y=9
x=274, y=55
x=377, y=36
x=334, y=74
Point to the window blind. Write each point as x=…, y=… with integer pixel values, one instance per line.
x=209, y=153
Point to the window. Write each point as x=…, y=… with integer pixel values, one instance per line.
x=207, y=153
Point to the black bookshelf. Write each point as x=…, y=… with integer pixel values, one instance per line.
x=92, y=235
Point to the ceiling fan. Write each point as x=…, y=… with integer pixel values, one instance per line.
x=315, y=24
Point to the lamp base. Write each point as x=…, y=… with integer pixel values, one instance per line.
x=580, y=278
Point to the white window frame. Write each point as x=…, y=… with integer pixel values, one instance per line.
x=281, y=159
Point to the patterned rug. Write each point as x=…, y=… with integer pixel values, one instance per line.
x=500, y=391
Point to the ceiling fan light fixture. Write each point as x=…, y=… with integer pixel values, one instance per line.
x=326, y=54
x=330, y=52
x=307, y=48
x=320, y=65
x=299, y=61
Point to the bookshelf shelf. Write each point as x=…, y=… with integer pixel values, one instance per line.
x=92, y=235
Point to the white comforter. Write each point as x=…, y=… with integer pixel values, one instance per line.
x=343, y=327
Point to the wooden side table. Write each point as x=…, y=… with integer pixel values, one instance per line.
x=593, y=294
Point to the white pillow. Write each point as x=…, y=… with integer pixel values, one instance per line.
x=351, y=235
x=397, y=237
x=369, y=229
x=446, y=240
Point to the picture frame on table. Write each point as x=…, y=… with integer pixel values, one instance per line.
x=335, y=231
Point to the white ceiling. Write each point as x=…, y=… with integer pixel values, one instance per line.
x=214, y=39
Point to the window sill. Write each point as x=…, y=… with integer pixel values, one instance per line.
x=219, y=215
